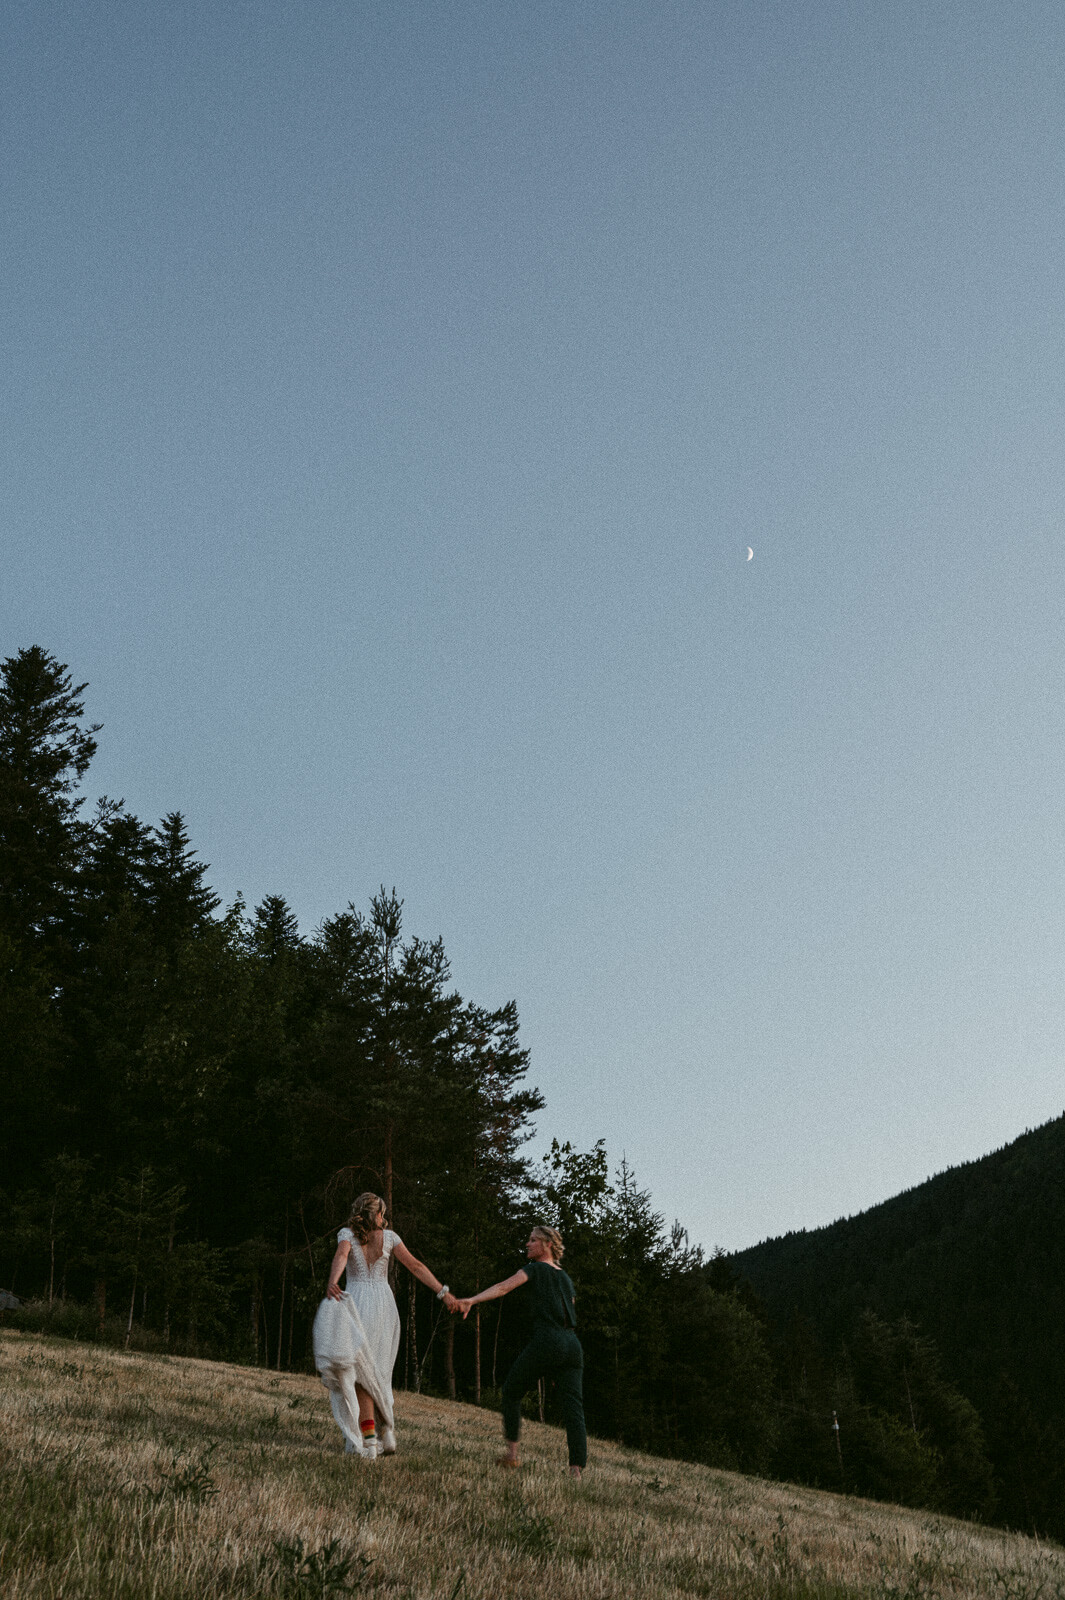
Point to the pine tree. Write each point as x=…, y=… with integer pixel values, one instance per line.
x=115, y=866
x=274, y=932
x=180, y=900
x=44, y=754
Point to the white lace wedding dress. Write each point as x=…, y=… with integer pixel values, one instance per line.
x=356, y=1340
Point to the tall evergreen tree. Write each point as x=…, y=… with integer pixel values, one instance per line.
x=108, y=995
x=115, y=866
x=274, y=931
x=180, y=900
x=45, y=751
x=44, y=754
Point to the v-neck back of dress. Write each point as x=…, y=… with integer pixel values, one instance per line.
x=370, y=1272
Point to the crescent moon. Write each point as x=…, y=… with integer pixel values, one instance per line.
x=750, y=553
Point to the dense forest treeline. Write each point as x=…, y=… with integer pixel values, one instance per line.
x=976, y=1257
x=192, y=1094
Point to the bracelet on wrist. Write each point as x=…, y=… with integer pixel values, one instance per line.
x=442, y=1291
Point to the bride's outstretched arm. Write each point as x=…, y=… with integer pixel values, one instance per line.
x=421, y=1272
x=333, y=1290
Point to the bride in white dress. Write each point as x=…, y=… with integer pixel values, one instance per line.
x=356, y=1331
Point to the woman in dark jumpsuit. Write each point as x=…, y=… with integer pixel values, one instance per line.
x=553, y=1351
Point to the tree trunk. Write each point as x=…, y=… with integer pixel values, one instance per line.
x=909, y=1398
x=387, y=1197
x=449, y=1358
x=136, y=1259
x=306, y=1236
x=51, y=1254
x=101, y=1304
x=476, y=1355
x=166, y=1308
x=495, y=1345
x=281, y=1313
x=132, y=1303
x=413, y=1370
x=281, y=1308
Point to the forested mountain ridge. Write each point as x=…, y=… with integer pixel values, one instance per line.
x=975, y=1259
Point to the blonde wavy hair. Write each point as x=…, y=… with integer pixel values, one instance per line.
x=553, y=1240
x=367, y=1214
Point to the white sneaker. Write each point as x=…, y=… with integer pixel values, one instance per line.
x=369, y=1451
x=387, y=1442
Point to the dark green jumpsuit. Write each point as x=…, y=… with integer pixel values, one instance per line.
x=554, y=1351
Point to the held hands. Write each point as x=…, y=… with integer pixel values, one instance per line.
x=463, y=1306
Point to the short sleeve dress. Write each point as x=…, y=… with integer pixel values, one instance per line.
x=356, y=1338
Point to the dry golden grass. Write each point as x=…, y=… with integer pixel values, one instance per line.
x=136, y=1476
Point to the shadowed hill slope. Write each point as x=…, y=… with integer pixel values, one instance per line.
x=975, y=1257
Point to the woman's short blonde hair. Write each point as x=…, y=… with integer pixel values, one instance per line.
x=552, y=1238
x=367, y=1214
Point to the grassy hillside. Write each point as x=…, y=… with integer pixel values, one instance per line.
x=133, y=1475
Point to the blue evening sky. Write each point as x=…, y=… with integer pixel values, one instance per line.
x=390, y=396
